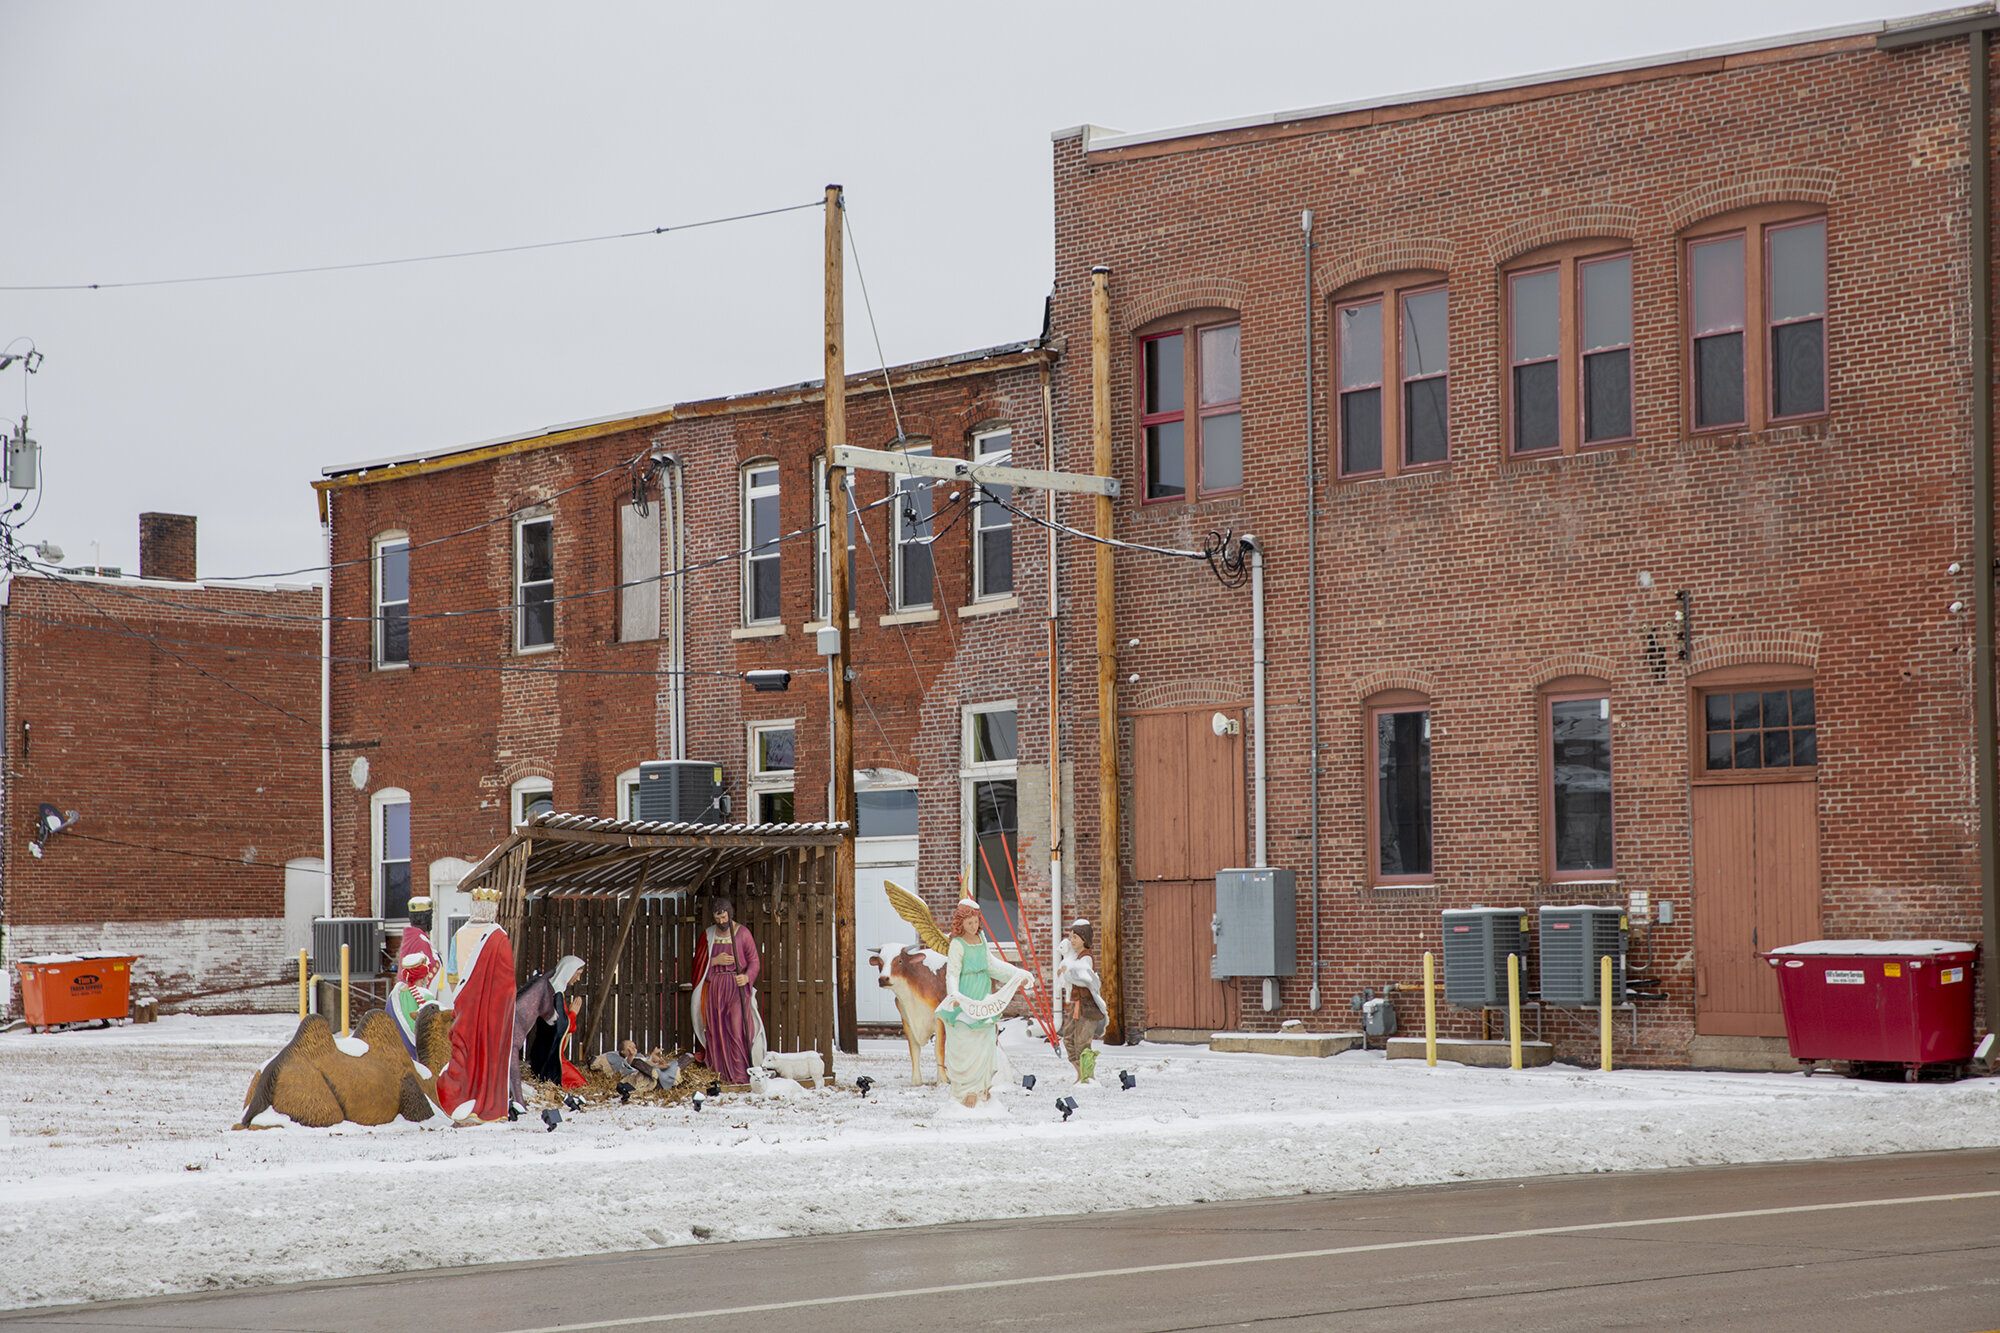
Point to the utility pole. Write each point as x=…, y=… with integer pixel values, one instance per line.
x=842, y=758
x=1109, y=908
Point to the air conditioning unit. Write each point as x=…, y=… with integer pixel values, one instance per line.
x=680, y=791
x=1573, y=940
x=1255, y=925
x=363, y=936
x=1477, y=941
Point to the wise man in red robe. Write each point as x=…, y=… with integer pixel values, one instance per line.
x=728, y=1029
x=473, y=1087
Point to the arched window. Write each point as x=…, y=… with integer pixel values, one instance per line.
x=389, y=861
x=1568, y=327
x=392, y=599
x=1756, y=318
x=1191, y=405
x=1575, y=728
x=1399, y=787
x=761, y=585
x=530, y=797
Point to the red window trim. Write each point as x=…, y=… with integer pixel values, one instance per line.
x=1380, y=300
x=1547, y=729
x=1742, y=328
x=1770, y=362
x=1398, y=701
x=1189, y=332
x=1583, y=353
x=1404, y=381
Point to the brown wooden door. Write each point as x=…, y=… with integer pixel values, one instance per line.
x=1756, y=886
x=1188, y=818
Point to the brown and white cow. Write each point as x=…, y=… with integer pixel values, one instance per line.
x=916, y=976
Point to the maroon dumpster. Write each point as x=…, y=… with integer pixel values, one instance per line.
x=1891, y=1002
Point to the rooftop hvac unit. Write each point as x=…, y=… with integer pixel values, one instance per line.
x=1574, y=939
x=1477, y=941
x=680, y=791
x=1255, y=926
x=361, y=934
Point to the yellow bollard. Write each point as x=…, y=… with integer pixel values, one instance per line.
x=1430, y=1010
x=304, y=989
x=1514, y=1010
x=343, y=997
x=1604, y=1014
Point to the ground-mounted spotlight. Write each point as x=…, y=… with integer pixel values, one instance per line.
x=1126, y=1081
x=514, y=1110
x=552, y=1117
x=572, y=1102
x=1067, y=1105
x=698, y=1099
x=624, y=1093
x=1028, y=1082
x=862, y=1084
x=714, y=1089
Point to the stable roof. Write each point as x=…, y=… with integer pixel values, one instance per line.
x=589, y=857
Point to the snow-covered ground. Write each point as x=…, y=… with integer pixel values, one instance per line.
x=120, y=1176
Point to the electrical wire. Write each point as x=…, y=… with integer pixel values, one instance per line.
x=236, y=861
x=410, y=259
x=1220, y=551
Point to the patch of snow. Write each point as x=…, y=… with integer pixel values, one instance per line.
x=351, y=1045
x=133, y=1123
x=1875, y=948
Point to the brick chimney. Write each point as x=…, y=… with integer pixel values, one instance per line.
x=166, y=547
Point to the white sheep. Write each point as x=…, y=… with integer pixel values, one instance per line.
x=797, y=1065
x=764, y=1084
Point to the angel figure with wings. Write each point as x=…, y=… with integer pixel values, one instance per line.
x=978, y=986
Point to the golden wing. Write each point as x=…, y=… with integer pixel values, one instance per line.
x=911, y=908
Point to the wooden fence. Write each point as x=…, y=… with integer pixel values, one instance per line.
x=786, y=900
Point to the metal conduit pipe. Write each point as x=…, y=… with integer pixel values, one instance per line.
x=1256, y=550
x=1312, y=603
x=326, y=705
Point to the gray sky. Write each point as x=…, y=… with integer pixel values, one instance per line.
x=160, y=140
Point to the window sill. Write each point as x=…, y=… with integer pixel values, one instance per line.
x=991, y=608
x=535, y=650
x=758, y=632
x=923, y=616
x=392, y=666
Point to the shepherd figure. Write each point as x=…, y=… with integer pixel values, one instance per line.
x=728, y=1029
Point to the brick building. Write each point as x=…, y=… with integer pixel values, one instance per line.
x=524, y=622
x=1637, y=408
x=179, y=720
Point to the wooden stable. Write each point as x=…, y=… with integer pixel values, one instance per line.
x=629, y=898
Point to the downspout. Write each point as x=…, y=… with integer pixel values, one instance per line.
x=1312, y=604
x=1981, y=239
x=1256, y=550
x=326, y=704
x=1056, y=912
x=676, y=606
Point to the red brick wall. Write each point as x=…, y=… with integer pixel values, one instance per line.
x=182, y=723
x=1825, y=544
x=456, y=732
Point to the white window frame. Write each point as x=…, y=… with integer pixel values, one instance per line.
x=971, y=772
x=767, y=782
x=984, y=515
x=878, y=779
x=387, y=541
x=525, y=787
x=749, y=491
x=521, y=524
x=905, y=482
x=628, y=788
x=377, y=802
x=823, y=570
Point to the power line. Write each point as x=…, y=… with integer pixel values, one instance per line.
x=411, y=259
x=236, y=861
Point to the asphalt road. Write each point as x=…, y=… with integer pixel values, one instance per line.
x=1868, y=1243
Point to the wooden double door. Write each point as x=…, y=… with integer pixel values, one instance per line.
x=1188, y=821
x=1756, y=887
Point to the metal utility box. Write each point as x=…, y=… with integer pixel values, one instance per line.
x=1255, y=924
x=76, y=988
x=1573, y=940
x=1903, y=1002
x=1477, y=941
x=24, y=458
x=363, y=937
x=680, y=791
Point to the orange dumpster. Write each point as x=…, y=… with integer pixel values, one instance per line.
x=76, y=988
